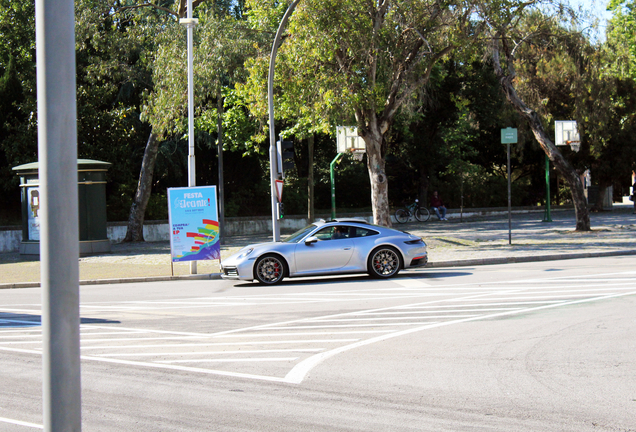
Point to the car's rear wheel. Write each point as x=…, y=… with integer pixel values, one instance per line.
x=384, y=262
x=270, y=269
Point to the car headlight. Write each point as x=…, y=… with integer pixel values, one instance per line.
x=246, y=252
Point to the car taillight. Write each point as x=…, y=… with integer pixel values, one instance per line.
x=413, y=242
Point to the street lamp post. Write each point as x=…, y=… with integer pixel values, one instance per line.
x=190, y=23
x=273, y=166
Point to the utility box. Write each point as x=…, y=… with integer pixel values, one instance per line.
x=91, y=183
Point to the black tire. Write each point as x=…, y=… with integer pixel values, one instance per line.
x=270, y=269
x=401, y=216
x=422, y=214
x=384, y=262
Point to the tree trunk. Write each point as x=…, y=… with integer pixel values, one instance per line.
x=378, y=179
x=135, y=231
x=563, y=166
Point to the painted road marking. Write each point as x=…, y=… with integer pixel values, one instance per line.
x=21, y=423
x=438, y=306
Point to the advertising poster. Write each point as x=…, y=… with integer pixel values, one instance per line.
x=194, y=224
x=33, y=218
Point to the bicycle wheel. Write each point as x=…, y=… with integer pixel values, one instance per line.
x=422, y=214
x=402, y=216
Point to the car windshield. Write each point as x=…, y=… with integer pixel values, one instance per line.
x=299, y=235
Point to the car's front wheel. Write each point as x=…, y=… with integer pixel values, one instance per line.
x=384, y=262
x=270, y=269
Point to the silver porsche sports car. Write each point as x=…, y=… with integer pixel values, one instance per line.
x=326, y=248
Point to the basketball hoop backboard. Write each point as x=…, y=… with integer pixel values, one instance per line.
x=348, y=140
x=566, y=133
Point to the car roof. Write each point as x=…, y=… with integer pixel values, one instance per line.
x=344, y=220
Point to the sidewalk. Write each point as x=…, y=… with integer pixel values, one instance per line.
x=475, y=241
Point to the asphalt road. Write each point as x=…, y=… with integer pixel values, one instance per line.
x=545, y=346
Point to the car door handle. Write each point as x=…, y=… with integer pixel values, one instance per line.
x=347, y=248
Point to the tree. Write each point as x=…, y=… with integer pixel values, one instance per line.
x=512, y=29
x=166, y=107
x=361, y=61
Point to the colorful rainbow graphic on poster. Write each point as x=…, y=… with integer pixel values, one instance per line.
x=206, y=243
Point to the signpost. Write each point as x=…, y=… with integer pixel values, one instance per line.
x=509, y=136
x=194, y=224
x=347, y=140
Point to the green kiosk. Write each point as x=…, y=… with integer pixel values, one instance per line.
x=91, y=181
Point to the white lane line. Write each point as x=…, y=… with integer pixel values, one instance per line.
x=596, y=288
x=12, y=309
x=301, y=341
x=328, y=333
x=377, y=319
x=354, y=325
x=83, y=340
x=403, y=312
x=522, y=296
x=132, y=329
x=21, y=336
x=306, y=350
x=298, y=373
x=21, y=423
x=21, y=350
x=82, y=333
x=184, y=368
x=556, y=279
x=420, y=306
x=230, y=360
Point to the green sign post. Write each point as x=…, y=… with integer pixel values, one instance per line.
x=509, y=136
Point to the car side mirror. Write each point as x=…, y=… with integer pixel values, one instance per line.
x=310, y=240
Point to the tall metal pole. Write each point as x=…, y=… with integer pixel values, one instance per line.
x=192, y=181
x=59, y=223
x=509, y=201
x=273, y=166
x=332, y=177
x=220, y=153
x=547, y=217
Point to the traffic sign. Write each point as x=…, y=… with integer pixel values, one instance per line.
x=279, y=190
x=509, y=136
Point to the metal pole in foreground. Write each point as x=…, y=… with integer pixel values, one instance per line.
x=273, y=166
x=59, y=229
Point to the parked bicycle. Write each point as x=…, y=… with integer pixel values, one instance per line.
x=403, y=215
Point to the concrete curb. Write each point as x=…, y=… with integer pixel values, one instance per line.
x=456, y=263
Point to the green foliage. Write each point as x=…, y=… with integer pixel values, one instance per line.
x=620, y=37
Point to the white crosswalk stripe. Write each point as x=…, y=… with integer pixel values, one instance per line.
x=287, y=351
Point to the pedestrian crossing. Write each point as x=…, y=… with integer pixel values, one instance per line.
x=287, y=351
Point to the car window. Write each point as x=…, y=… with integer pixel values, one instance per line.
x=300, y=234
x=363, y=232
x=333, y=233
